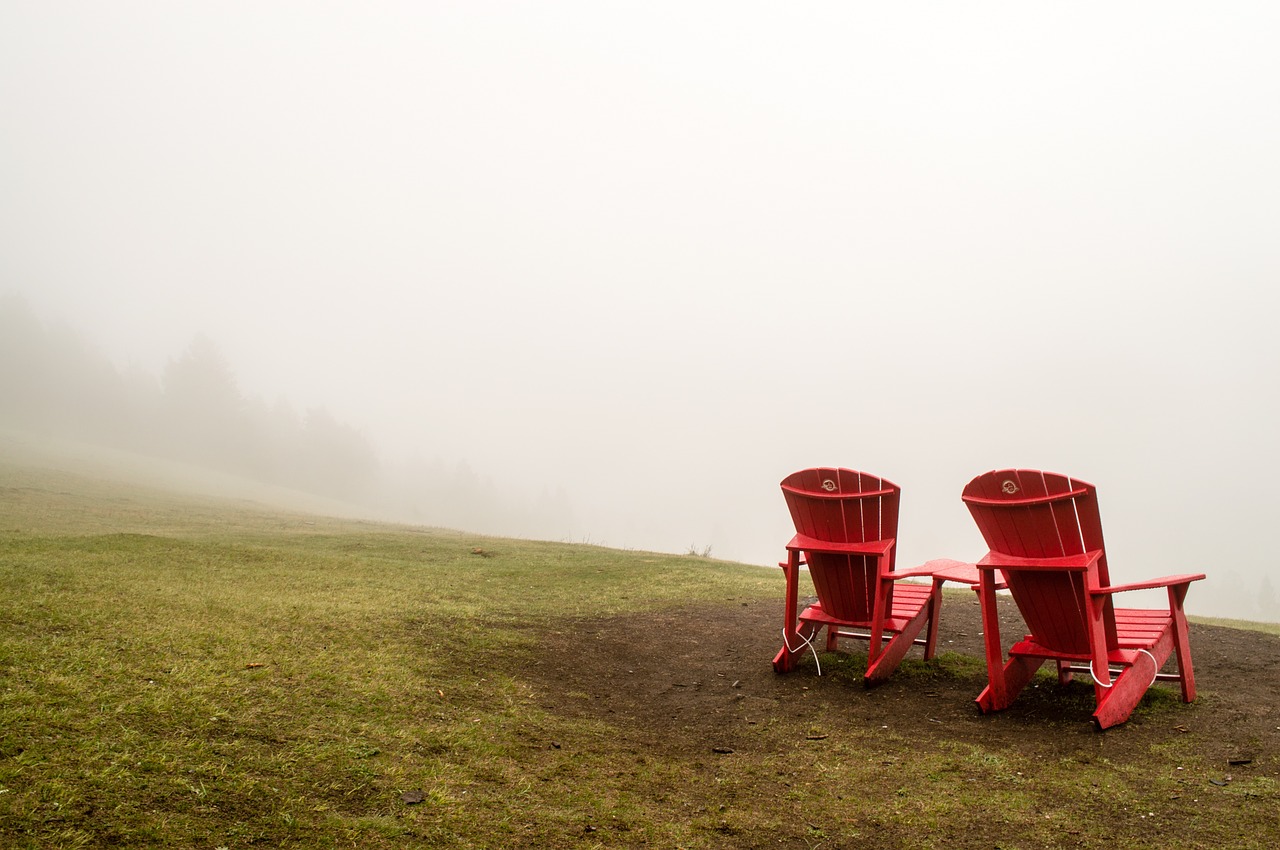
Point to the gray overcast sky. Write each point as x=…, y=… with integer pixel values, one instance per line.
x=662, y=254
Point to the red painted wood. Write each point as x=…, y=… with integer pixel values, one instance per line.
x=996, y=695
x=888, y=660
x=846, y=528
x=1045, y=538
x=785, y=659
x=840, y=506
x=1116, y=703
x=1181, y=640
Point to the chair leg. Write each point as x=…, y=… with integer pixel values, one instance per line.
x=1004, y=684
x=935, y=614
x=1182, y=643
x=784, y=661
x=892, y=653
x=1004, y=680
x=793, y=645
x=1117, y=702
x=1186, y=675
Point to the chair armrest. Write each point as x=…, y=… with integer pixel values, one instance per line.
x=941, y=568
x=1164, y=581
x=998, y=560
x=812, y=544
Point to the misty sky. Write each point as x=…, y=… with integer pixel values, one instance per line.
x=663, y=254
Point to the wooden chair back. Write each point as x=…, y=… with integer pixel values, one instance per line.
x=843, y=506
x=1037, y=515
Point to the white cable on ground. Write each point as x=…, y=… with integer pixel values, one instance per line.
x=808, y=641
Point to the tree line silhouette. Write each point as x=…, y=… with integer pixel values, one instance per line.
x=53, y=382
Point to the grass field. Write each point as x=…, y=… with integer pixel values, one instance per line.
x=177, y=672
x=192, y=673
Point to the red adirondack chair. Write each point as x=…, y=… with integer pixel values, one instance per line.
x=846, y=524
x=1045, y=538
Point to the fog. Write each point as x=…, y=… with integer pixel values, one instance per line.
x=621, y=267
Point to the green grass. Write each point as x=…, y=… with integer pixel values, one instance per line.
x=186, y=673
x=1250, y=625
x=197, y=674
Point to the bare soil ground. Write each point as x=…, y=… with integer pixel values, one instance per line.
x=687, y=674
x=696, y=682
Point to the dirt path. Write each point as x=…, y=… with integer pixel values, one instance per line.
x=694, y=679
